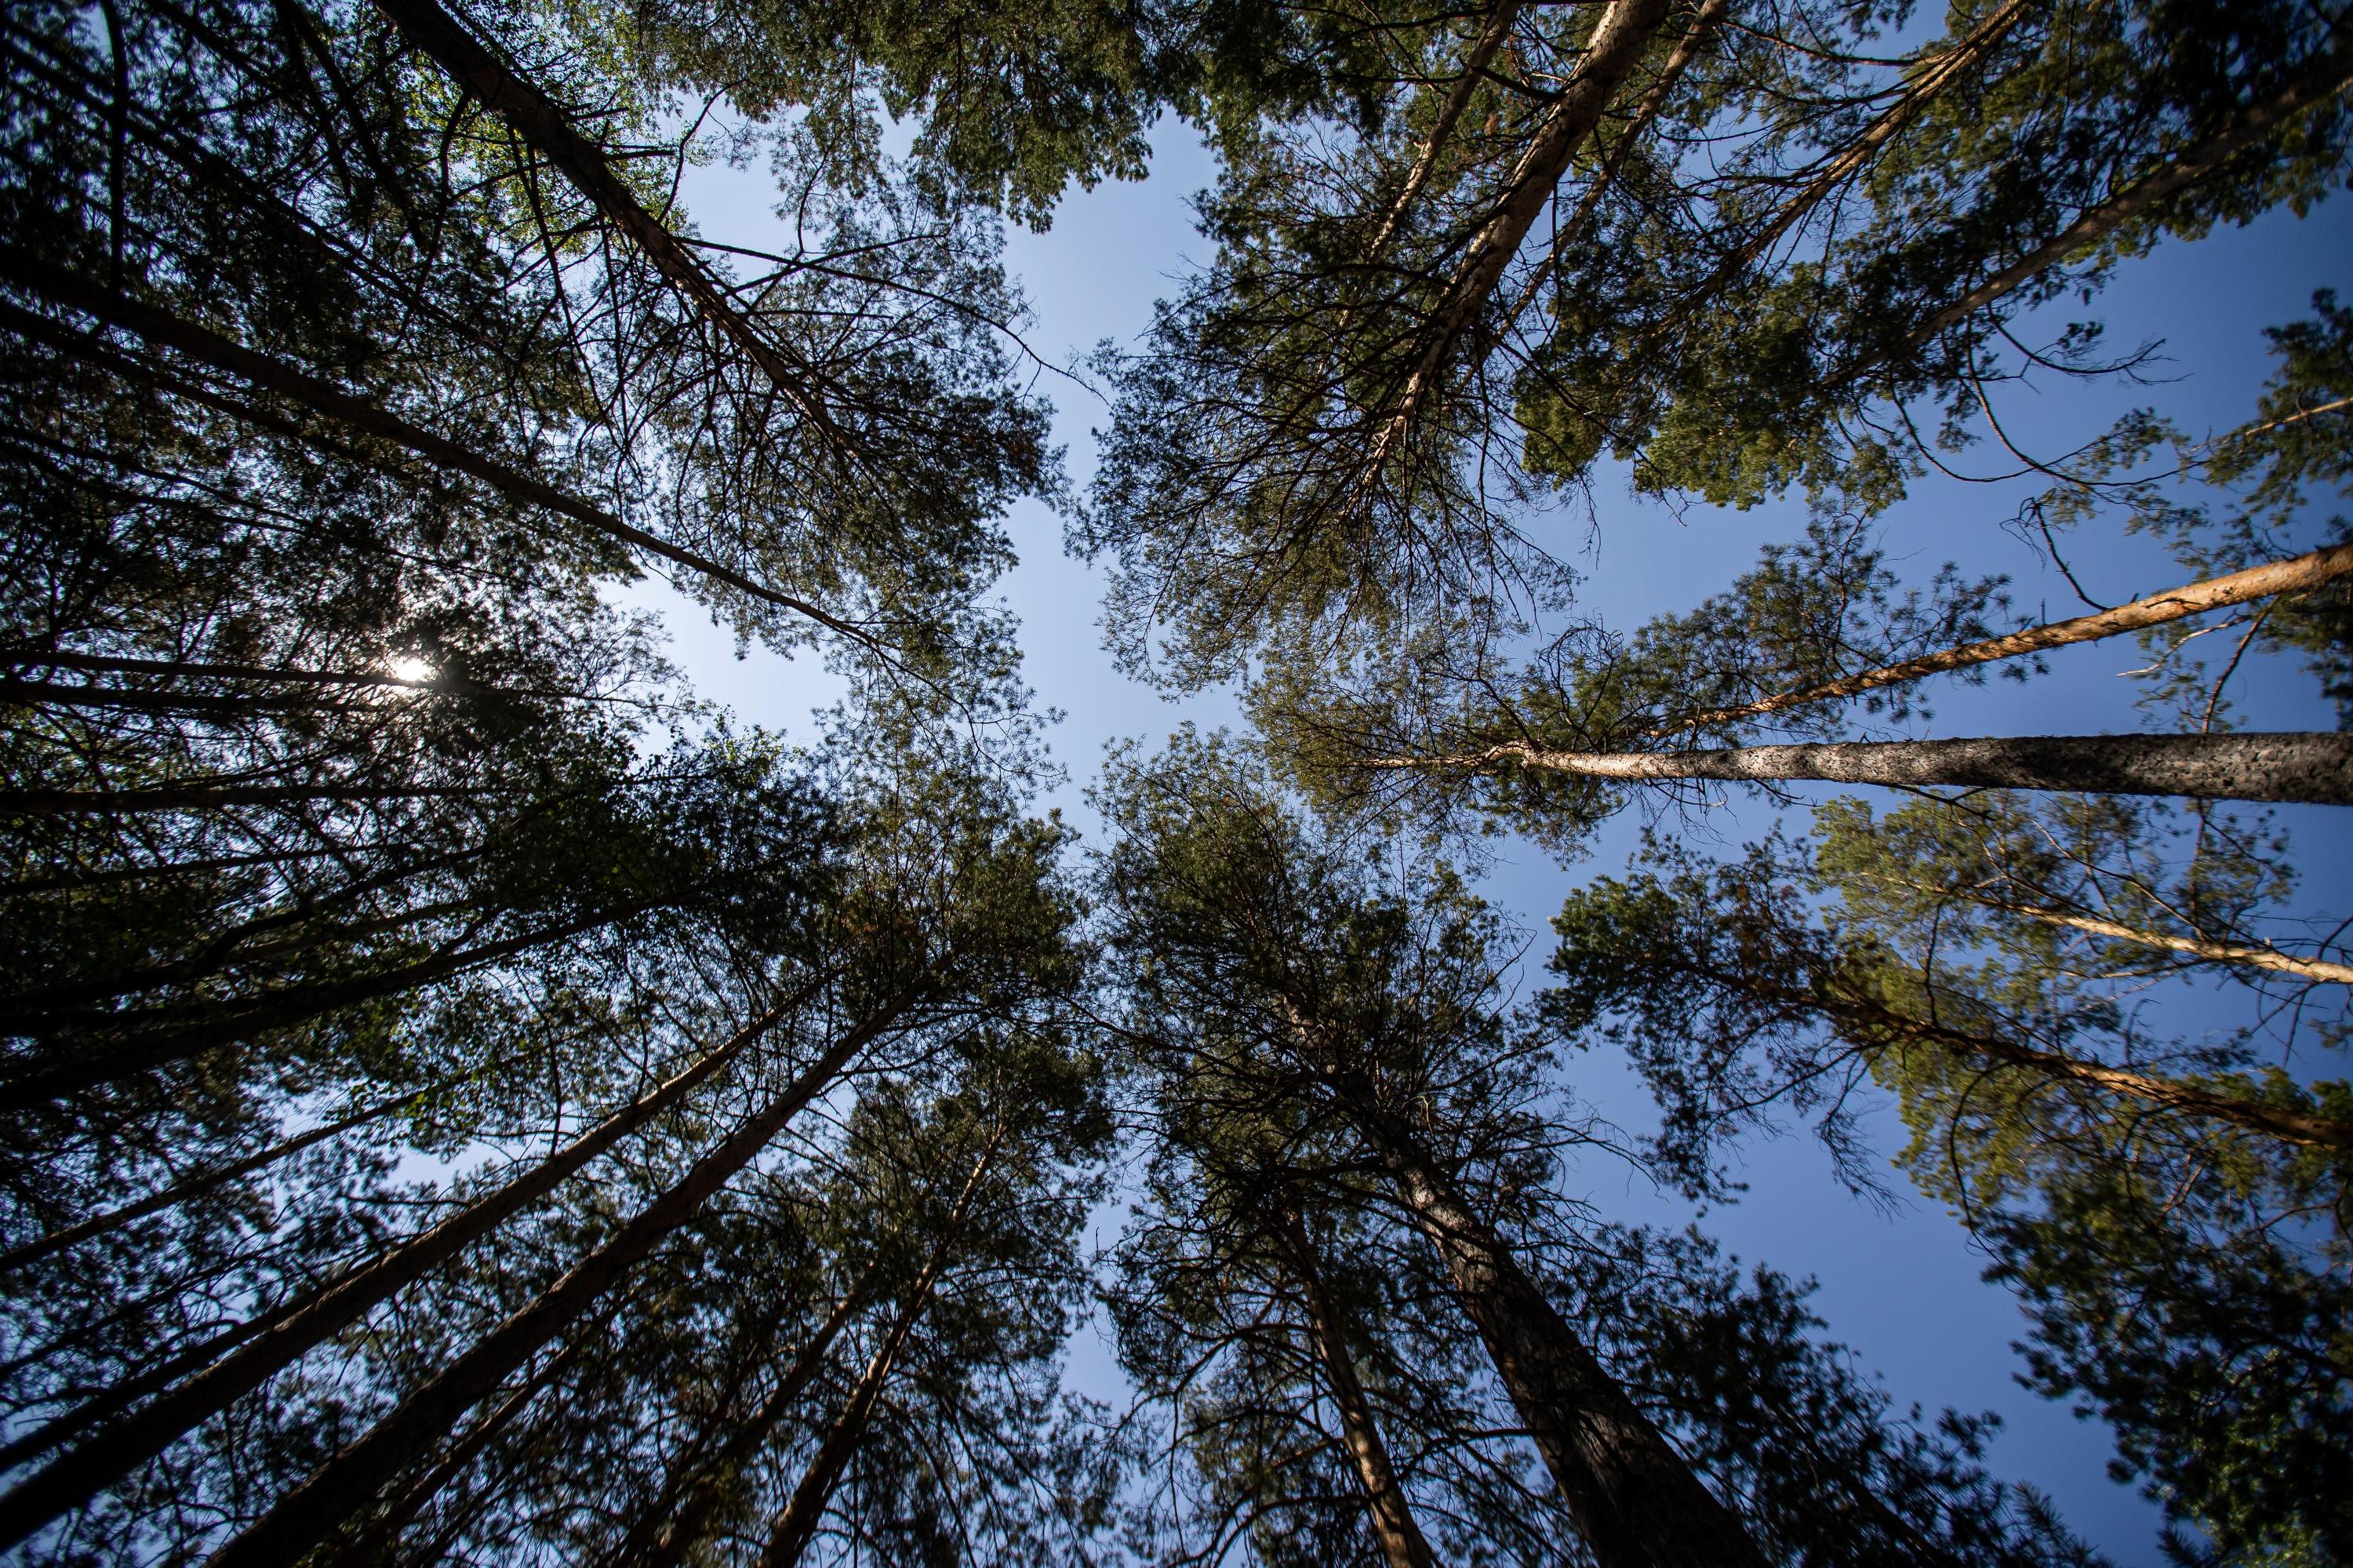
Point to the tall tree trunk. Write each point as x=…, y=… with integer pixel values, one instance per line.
x=1619, y=40
x=1868, y=1019
x=308, y=1517
x=548, y=128
x=2298, y=576
x=2324, y=77
x=197, y=1185
x=209, y=796
x=42, y=1082
x=2262, y=957
x=1474, y=65
x=1400, y=1538
x=1634, y=1500
x=796, y=1526
x=209, y=348
x=2295, y=767
x=382, y=1539
x=296, y=1329
x=669, y=1529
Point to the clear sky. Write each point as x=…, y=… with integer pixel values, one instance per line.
x=1900, y=1288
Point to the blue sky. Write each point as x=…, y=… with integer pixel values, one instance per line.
x=1899, y=1286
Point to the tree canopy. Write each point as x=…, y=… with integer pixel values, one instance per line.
x=466, y=1096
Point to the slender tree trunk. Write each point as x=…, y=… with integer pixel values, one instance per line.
x=1400, y=1538
x=1704, y=24
x=1619, y=40
x=308, y=1517
x=2298, y=576
x=382, y=1539
x=2309, y=768
x=187, y=670
x=796, y=1526
x=666, y=1532
x=2323, y=79
x=1474, y=65
x=205, y=798
x=2264, y=958
x=209, y=348
x=163, y=1045
x=196, y=1186
x=74, y=1477
x=1634, y=1500
x=548, y=128
x=1867, y=1020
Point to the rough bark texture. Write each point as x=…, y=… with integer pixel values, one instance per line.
x=2315, y=767
x=2300, y=575
x=1634, y=1500
x=308, y=1517
x=73, y=1479
x=1474, y=64
x=1400, y=1538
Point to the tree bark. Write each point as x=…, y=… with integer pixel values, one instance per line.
x=2315, y=767
x=663, y=1536
x=308, y=1517
x=2298, y=576
x=1619, y=42
x=207, y=347
x=538, y=121
x=74, y=1477
x=2326, y=75
x=1401, y=1539
x=2265, y=958
x=796, y=1526
x=1867, y=1019
x=1474, y=65
x=1632, y=1496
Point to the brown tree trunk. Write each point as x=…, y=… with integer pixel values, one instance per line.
x=2263, y=958
x=1393, y=1522
x=2323, y=79
x=79, y=1475
x=548, y=128
x=796, y=1526
x=1634, y=1500
x=308, y=1517
x=663, y=1538
x=207, y=347
x=2298, y=576
x=1474, y=65
x=1619, y=40
x=2315, y=767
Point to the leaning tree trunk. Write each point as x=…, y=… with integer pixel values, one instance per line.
x=2322, y=79
x=295, y=1329
x=308, y=1517
x=1400, y=1538
x=2312, y=767
x=796, y=1526
x=1632, y=1496
x=671, y=1527
x=2300, y=575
